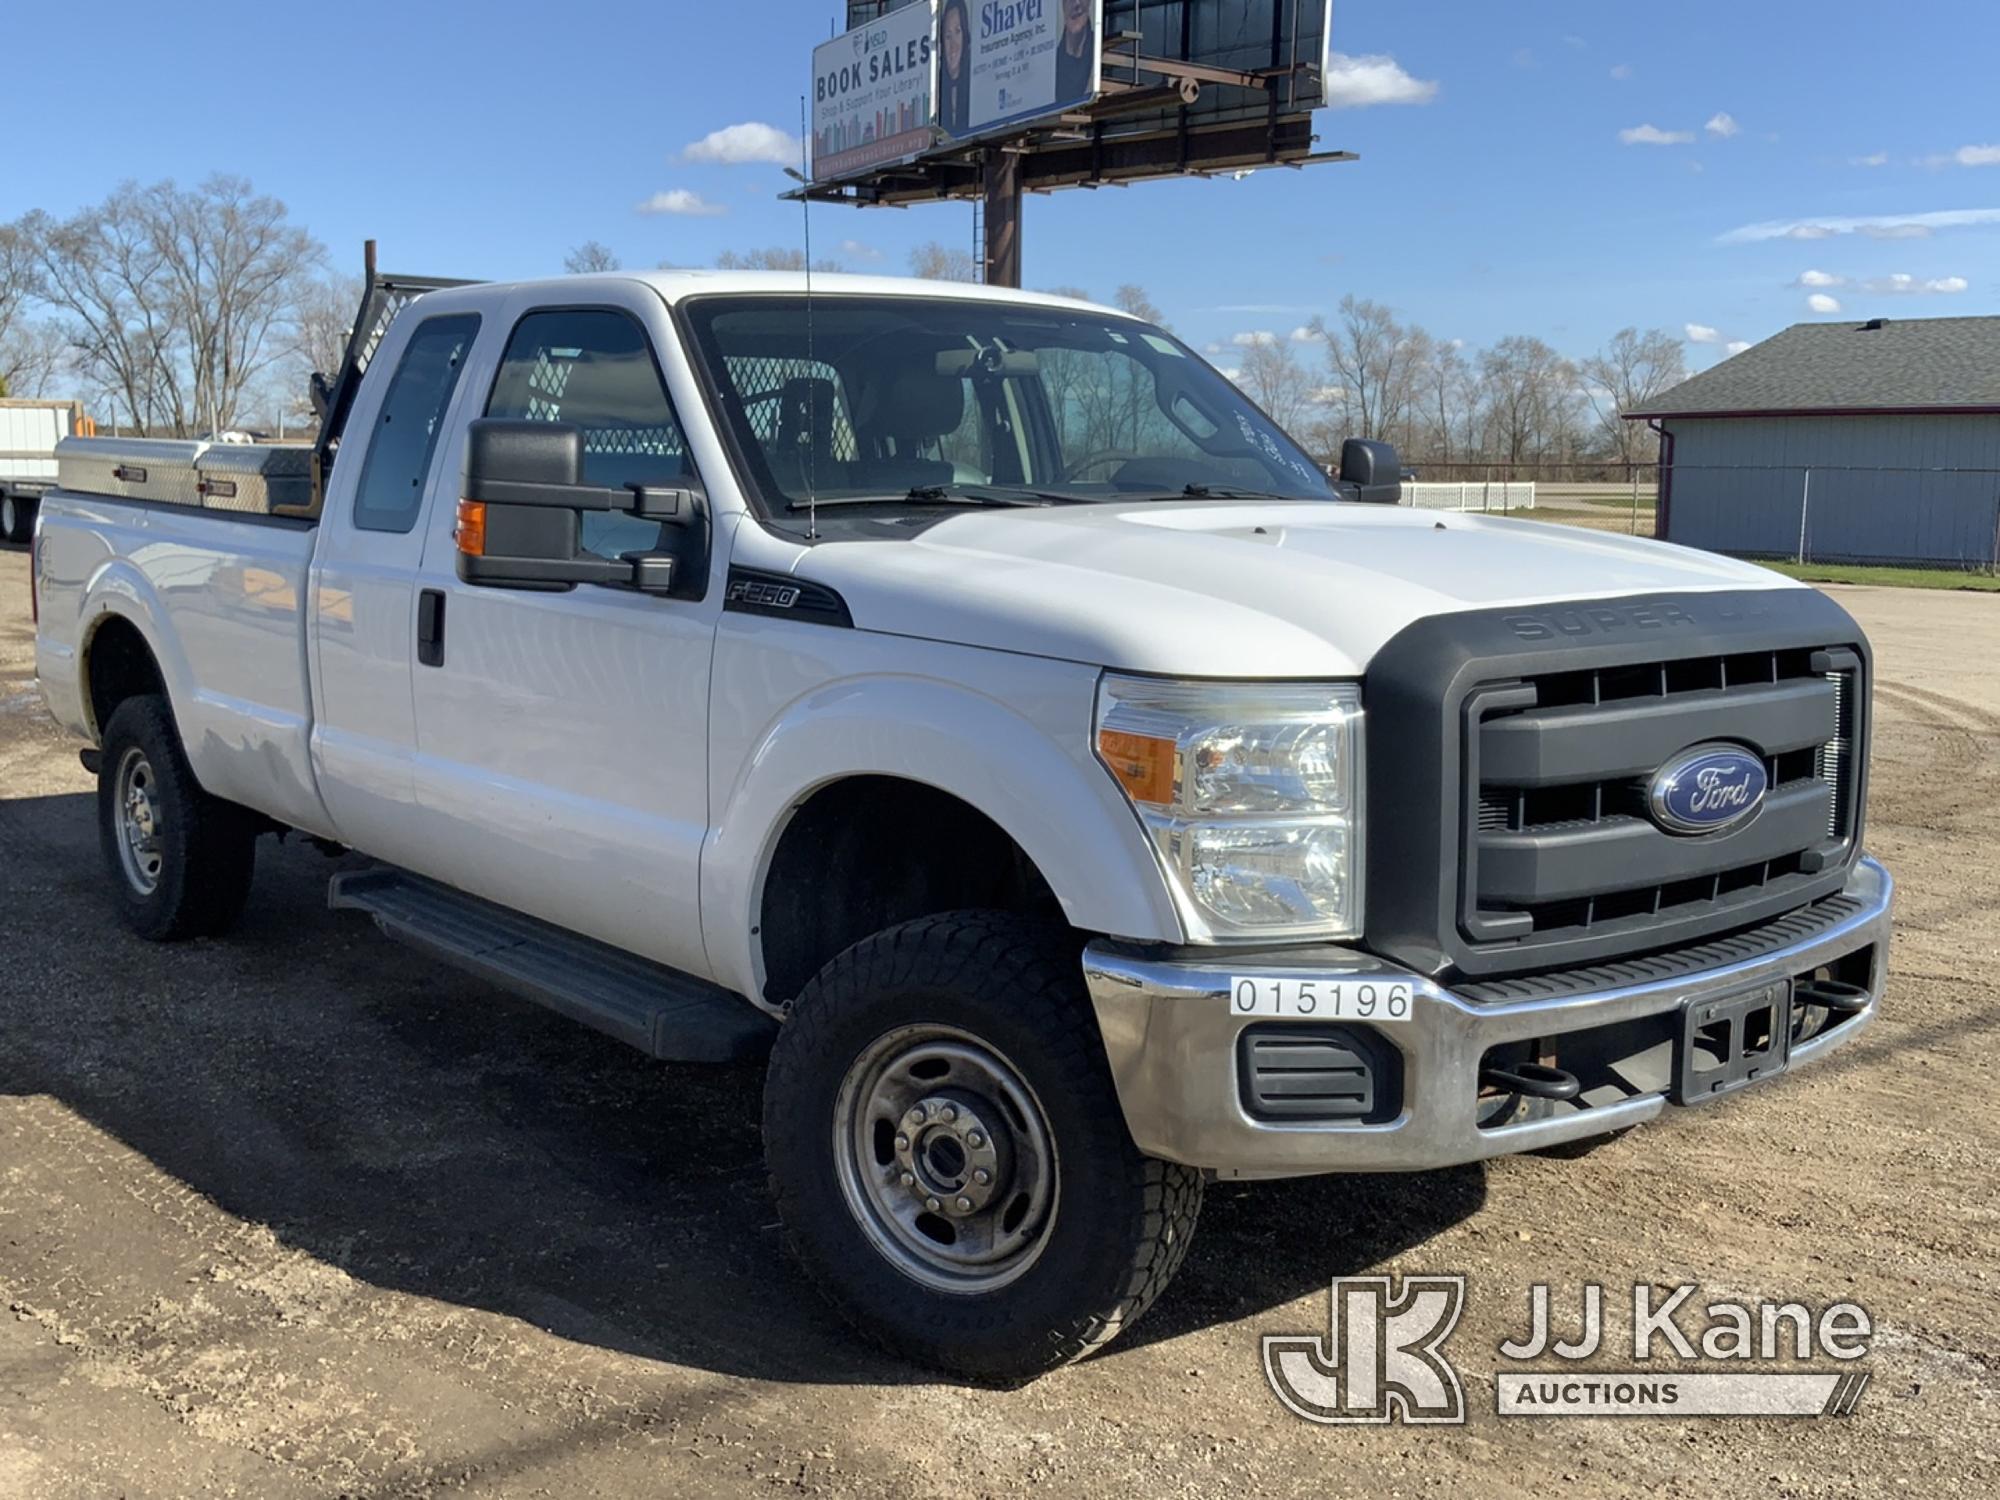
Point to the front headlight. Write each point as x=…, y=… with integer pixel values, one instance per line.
x=1252, y=795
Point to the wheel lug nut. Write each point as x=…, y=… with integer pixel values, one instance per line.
x=909, y=1179
x=982, y=1176
x=931, y=1204
x=975, y=1140
x=916, y=1117
x=964, y=1204
x=947, y=1114
x=902, y=1143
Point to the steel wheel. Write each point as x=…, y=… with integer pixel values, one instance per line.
x=945, y=1158
x=140, y=827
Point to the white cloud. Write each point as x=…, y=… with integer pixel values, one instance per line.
x=1900, y=283
x=1357, y=82
x=1652, y=135
x=1722, y=125
x=1231, y=374
x=1876, y=226
x=856, y=250
x=1977, y=156
x=752, y=141
x=1571, y=40
x=1701, y=333
x=1622, y=72
x=1820, y=302
x=1253, y=339
x=1820, y=278
x=1303, y=334
x=681, y=201
x=1872, y=159
x=1737, y=346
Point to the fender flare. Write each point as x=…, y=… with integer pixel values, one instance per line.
x=1053, y=800
x=120, y=590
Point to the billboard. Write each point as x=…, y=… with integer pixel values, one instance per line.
x=1007, y=62
x=871, y=97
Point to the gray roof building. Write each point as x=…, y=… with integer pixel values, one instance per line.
x=1884, y=365
x=1848, y=442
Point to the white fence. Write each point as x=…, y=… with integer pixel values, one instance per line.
x=1474, y=494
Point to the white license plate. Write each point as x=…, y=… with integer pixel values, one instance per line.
x=1376, y=1000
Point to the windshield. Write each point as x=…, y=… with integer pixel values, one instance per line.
x=907, y=400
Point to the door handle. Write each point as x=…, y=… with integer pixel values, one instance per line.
x=430, y=627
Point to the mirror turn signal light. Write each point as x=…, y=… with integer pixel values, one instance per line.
x=470, y=532
x=1143, y=764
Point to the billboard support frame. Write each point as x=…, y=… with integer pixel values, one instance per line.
x=1095, y=144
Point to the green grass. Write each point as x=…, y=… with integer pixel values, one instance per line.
x=1896, y=578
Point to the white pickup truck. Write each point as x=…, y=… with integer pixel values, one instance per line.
x=973, y=700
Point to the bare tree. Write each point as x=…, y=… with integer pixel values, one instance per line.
x=174, y=301
x=1625, y=375
x=1526, y=382
x=1446, y=391
x=771, y=258
x=937, y=262
x=1369, y=359
x=1133, y=299
x=324, y=318
x=234, y=265
x=1272, y=376
x=591, y=255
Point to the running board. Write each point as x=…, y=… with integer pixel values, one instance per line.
x=661, y=1011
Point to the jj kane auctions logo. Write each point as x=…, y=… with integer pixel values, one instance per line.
x=1382, y=1357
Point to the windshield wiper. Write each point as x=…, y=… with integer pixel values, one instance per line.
x=1226, y=492
x=941, y=494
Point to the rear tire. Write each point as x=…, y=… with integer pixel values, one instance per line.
x=921, y=1058
x=17, y=518
x=180, y=860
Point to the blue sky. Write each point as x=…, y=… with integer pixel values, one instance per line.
x=486, y=139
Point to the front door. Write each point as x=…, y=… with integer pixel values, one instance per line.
x=562, y=737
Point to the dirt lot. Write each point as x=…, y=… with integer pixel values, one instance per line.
x=297, y=1213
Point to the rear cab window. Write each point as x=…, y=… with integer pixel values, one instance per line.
x=390, y=493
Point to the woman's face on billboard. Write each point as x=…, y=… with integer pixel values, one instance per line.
x=954, y=40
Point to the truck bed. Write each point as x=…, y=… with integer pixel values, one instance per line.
x=220, y=598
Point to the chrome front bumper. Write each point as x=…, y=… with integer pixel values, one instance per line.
x=1171, y=1035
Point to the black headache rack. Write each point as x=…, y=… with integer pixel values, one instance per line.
x=382, y=297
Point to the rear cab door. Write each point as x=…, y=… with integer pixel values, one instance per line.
x=372, y=531
x=562, y=736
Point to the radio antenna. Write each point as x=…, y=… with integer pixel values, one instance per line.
x=812, y=365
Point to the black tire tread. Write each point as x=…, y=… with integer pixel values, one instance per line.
x=1035, y=969
x=211, y=844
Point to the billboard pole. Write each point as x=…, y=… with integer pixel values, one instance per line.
x=1000, y=186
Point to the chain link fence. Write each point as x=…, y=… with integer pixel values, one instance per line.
x=1937, y=517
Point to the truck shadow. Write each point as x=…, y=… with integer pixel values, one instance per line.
x=425, y=1135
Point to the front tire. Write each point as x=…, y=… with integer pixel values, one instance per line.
x=180, y=860
x=949, y=1158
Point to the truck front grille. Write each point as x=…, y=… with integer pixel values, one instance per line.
x=1560, y=842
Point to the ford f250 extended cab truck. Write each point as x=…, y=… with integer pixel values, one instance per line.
x=973, y=700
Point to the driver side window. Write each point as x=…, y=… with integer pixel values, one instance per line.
x=594, y=368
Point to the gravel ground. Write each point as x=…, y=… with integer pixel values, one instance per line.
x=298, y=1213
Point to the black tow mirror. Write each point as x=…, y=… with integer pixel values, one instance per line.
x=1372, y=469
x=520, y=523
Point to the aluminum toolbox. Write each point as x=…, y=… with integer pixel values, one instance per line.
x=161, y=469
x=256, y=479
x=245, y=478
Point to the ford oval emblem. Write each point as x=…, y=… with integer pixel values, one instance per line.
x=1707, y=789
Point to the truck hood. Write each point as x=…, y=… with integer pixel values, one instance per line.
x=1234, y=588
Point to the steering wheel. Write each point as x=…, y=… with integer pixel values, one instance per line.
x=1104, y=456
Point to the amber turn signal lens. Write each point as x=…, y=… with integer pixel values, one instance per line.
x=471, y=528
x=1143, y=764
